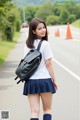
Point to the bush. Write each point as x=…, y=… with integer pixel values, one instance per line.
x=9, y=32
x=64, y=16
x=52, y=20
x=17, y=26
x=71, y=18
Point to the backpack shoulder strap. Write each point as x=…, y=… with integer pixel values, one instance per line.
x=39, y=45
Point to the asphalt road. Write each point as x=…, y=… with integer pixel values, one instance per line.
x=67, y=68
x=66, y=102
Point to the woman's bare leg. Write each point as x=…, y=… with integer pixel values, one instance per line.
x=47, y=103
x=34, y=100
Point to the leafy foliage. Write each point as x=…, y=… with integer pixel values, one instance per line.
x=52, y=20
x=30, y=12
x=44, y=11
x=3, y=2
x=54, y=13
x=8, y=19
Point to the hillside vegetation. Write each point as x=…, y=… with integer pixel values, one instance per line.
x=76, y=23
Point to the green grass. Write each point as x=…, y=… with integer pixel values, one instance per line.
x=6, y=46
x=76, y=23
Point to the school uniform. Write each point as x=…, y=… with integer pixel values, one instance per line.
x=40, y=81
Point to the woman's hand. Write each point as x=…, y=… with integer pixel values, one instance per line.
x=55, y=85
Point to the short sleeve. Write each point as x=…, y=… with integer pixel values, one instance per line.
x=47, y=52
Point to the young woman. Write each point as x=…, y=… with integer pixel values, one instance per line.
x=42, y=83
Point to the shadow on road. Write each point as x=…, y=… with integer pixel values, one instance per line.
x=8, y=70
x=4, y=87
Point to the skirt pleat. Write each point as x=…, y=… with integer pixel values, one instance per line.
x=38, y=86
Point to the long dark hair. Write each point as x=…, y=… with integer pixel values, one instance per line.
x=31, y=36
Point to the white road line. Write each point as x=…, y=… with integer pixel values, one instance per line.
x=65, y=68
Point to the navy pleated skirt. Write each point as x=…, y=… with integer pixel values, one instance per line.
x=38, y=86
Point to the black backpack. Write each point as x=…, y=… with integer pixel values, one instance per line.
x=29, y=64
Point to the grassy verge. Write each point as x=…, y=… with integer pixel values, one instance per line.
x=76, y=23
x=6, y=46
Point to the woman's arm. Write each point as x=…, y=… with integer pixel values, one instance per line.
x=50, y=68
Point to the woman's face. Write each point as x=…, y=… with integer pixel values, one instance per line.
x=40, y=30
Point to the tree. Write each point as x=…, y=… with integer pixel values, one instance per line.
x=71, y=18
x=13, y=22
x=52, y=20
x=9, y=20
x=44, y=11
x=64, y=16
x=4, y=7
x=3, y=2
x=3, y=10
x=30, y=12
x=56, y=9
x=77, y=12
